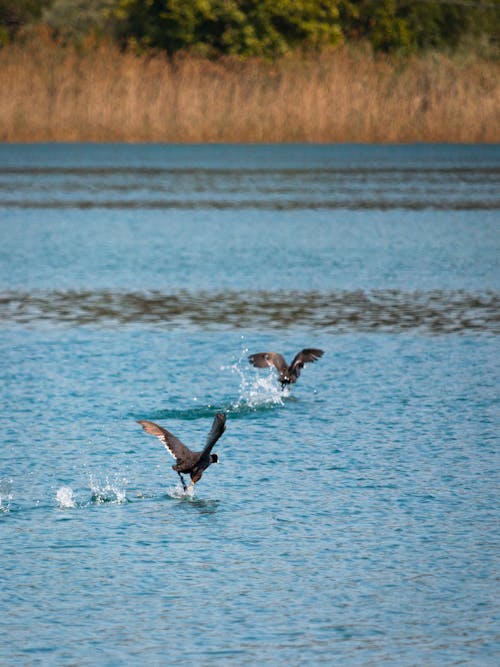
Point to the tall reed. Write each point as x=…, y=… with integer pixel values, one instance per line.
x=54, y=93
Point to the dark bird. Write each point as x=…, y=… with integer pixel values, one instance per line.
x=288, y=374
x=186, y=461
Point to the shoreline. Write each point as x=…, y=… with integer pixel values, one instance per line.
x=76, y=142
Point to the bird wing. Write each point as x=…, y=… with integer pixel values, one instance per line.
x=264, y=359
x=218, y=428
x=174, y=446
x=309, y=354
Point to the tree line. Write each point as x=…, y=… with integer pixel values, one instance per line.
x=263, y=28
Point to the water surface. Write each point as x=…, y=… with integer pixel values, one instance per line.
x=353, y=519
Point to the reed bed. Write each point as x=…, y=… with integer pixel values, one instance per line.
x=99, y=94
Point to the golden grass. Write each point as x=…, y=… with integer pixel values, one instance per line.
x=51, y=93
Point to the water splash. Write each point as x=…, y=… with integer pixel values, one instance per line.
x=65, y=497
x=178, y=492
x=109, y=491
x=258, y=390
x=255, y=390
x=5, y=494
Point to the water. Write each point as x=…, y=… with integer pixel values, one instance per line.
x=353, y=518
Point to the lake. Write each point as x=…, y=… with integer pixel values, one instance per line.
x=353, y=517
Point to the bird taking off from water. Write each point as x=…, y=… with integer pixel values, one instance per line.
x=186, y=461
x=288, y=374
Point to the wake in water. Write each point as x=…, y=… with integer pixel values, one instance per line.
x=256, y=392
x=109, y=491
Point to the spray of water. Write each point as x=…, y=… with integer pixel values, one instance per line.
x=111, y=491
x=255, y=390
x=5, y=494
x=65, y=497
x=178, y=492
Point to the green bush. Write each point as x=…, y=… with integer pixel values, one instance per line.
x=236, y=27
x=73, y=20
x=15, y=14
x=268, y=28
x=417, y=25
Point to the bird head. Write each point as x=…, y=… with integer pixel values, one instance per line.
x=214, y=458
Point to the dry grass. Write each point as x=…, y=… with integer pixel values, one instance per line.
x=50, y=93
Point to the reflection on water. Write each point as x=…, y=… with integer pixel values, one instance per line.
x=374, y=187
x=435, y=311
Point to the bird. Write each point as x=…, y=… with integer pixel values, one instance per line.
x=187, y=461
x=288, y=373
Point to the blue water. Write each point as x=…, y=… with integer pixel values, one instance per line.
x=353, y=520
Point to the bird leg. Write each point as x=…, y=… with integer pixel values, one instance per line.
x=182, y=480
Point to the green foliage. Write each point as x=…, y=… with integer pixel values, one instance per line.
x=268, y=28
x=415, y=25
x=444, y=25
x=73, y=20
x=237, y=27
x=14, y=14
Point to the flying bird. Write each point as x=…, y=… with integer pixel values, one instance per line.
x=288, y=374
x=186, y=461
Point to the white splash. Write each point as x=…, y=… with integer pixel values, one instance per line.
x=262, y=390
x=65, y=497
x=109, y=491
x=5, y=494
x=256, y=389
x=179, y=492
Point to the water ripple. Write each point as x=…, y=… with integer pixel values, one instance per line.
x=280, y=205
x=153, y=188
x=435, y=311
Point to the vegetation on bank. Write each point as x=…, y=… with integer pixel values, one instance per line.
x=249, y=70
x=268, y=28
x=103, y=94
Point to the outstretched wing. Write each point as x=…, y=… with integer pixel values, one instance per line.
x=305, y=356
x=218, y=428
x=265, y=359
x=174, y=446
